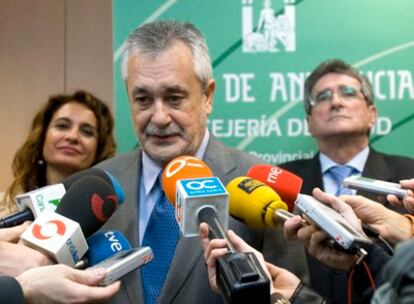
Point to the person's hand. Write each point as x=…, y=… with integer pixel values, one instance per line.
x=283, y=281
x=408, y=201
x=316, y=241
x=13, y=234
x=392, y=226
x=17, y=258
x=63, y=284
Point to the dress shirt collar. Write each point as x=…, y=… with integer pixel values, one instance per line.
x=358, y=162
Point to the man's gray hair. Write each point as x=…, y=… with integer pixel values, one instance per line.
x=340, y=67
x=155, y=37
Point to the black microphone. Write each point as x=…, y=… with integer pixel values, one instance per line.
x=34, y=202
x=90, y=203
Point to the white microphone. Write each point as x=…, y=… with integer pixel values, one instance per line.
x=57, y=237
x=38, y=200
x=201, y=197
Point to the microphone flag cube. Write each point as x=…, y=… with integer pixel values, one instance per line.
x=38, y=200
x=56, y=236
x=194, y=194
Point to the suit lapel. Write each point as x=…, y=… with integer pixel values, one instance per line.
x=376, y=167
x=127, y=216
x=312, y=175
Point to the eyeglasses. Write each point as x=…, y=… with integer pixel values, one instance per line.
x=347, y=93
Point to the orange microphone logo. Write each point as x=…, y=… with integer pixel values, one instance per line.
x=38, y=233
x=183, y=167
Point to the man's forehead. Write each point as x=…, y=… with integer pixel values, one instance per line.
x=335, y=79
x=164, y=88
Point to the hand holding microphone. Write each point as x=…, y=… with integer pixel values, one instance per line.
x=204, y=199
x=12, y=234
x=315, y=240
x=407, y=201
x=112, y=251
x=282, y=281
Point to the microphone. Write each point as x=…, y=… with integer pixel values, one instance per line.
x=195, y=192
x=204, y=199
x=90, y=202
x=105, y=175
x=34, y=202
x=286, y=184
x=254, y=203
x=84, y=208
x=103, y=244
x=182, y=167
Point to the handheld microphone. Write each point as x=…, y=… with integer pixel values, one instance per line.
x=84, y=208
x=34, y=202
x=90, y=202
x=103, y=244
x=181, y=168
x=286, y=184
x=105, y=175
x=193, y=189
x=204, y=199
x=253, y=202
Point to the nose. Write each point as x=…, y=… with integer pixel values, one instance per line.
x=161, y=114
x=72, y=134
x=337, y=98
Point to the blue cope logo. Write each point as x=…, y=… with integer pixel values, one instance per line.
x=203, y=186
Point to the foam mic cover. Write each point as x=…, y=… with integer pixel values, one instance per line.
x=104, y=244
x=68, y=181
x=183, y=167
x=286, y=184
x=253, y=202
x=90, y=201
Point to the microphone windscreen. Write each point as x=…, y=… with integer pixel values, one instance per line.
x=119, y=191
x=104, y=244
x=68, y=181
x=90, y=201
x=183, y=167
x=285, y=183
x=253, y=202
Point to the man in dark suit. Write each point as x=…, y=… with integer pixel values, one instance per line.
x=168, y=77
x=339, y=103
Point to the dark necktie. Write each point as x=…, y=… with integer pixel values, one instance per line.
x=339, y=173
x=161, y=235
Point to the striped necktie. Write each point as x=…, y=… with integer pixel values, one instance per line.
x=339, y=173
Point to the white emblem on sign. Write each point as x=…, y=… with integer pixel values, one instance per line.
x=271, y=32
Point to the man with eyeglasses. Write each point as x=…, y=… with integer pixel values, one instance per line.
x=339, y=104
